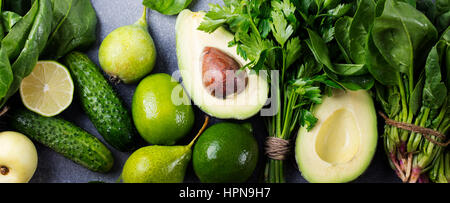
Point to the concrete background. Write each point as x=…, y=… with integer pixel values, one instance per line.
x=116, y=13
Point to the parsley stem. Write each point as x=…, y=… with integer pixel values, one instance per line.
x=252, y=23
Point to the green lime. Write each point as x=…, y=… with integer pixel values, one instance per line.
x=225, y=153
x=161, y=110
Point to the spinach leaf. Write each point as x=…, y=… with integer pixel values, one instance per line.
x=359, y=30
x=438, y=11
x=342, y=36
x=14, y=42
x=446, y=67
x=319, y=48
x=380, y=69
x=434, y=91
x=75, y=24
x=350, y=69
x=415, y=102
x=443, y=14
x=2, y=30
x=6, y=75
x=167, y=7
x=34, y=45
x=401, y=33
x=381, y=96
x=362, y=82
x=61, y=9
x=10, y=19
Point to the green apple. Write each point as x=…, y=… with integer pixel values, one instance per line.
x=18, y=158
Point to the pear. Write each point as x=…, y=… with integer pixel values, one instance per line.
x=159, y=164
x=128, y=53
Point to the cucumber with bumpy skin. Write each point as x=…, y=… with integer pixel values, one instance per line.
x=101, y=103
x=63, y=137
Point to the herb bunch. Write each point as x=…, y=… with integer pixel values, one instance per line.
x=409, y=58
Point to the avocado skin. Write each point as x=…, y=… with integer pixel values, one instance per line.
x=225, y=153
x=101, y=103
x=63, y=137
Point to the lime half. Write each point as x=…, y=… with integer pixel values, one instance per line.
x=48, y=90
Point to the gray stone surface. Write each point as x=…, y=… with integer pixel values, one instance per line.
x=113, y=14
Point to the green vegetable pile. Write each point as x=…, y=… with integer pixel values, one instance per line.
x=411, y=60
x=297, y=38
x=318, y=45
x=40, y=29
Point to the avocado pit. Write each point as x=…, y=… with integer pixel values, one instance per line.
x=220, y=73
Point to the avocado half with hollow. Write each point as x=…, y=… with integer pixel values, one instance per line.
x=210, y=71
x=342, y=144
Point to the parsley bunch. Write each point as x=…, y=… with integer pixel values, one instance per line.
x=295, y=37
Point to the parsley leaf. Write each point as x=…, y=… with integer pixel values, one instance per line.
x=307, y=119
x=282, y=31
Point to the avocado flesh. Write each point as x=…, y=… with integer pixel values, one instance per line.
x=342, y=144
x=191, y=43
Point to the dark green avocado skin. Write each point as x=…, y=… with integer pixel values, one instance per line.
x=63, y=137
x=101, y=103
x=225, y=153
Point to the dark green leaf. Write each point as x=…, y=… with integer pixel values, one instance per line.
x=310, y=67
x=10, y=19
x=326, y=81
x=350, y=69
x=359, y=30
x=394, y=101
x=435, y=91
x=328, y=34
x=401, y=34
x=318, y=47
x=293, y=49
x=264, y=27
x=340, y=10
x=363, y=82
x=14, y=42
x=35, y=43
x=6, y=75
x=380, y=69
x=303, y=5
x=342, y=35
x=167, y=7
x=415, y=102
x=75, y=30
x=2, y=29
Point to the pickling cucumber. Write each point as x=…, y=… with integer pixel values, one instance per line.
x=63, y=137
x=101, y=103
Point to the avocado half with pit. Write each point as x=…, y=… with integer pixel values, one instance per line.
x=343, y=142
x=210, y=71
